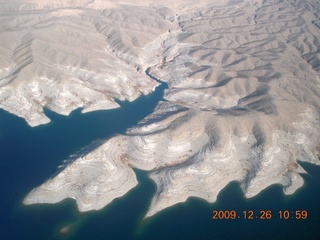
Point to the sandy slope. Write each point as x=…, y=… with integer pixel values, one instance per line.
x=242, y=104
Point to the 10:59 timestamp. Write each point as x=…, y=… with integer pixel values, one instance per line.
x=262, y=214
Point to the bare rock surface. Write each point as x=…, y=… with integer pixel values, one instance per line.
x=68, y=58
x=242, y=102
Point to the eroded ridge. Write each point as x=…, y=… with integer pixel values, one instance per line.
x=242, y=105
x=93, y=180
x=68, y=58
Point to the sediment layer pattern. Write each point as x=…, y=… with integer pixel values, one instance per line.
x=242, y=102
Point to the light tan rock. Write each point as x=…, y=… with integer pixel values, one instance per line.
x=242, y=103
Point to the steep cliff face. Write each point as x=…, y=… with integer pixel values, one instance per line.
x=242, y=102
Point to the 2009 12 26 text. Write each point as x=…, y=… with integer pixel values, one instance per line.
x=262, y=214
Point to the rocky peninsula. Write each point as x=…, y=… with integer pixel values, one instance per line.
x=242, y=103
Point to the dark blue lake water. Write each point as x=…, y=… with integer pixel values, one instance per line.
x=28, y=156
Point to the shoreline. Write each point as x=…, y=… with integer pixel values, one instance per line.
x=241, y=101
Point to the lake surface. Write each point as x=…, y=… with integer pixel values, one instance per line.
x=28, y=156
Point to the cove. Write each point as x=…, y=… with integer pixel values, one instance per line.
x=28, y=156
